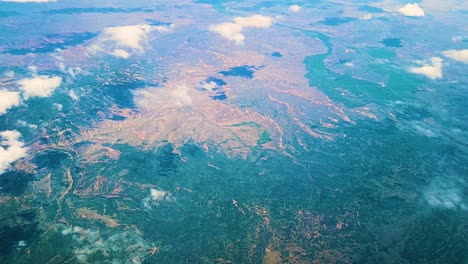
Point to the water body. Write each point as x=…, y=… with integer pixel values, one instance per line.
x=368, y=171
x=392, y=42
x=362, y=92
x=218, y=81
x=245, y=71
x=336, y=21
x=220, y=96
x=276, y=54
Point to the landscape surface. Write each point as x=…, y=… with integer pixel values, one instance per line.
x=233, y=131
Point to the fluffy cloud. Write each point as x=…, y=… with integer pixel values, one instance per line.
x=11, y=149
x=411, y=10
x=120, y=41
x=433, y=70
x=170, y=97
x=233, y=30
x=229, y=31
x=157, y=195
x=127, y=36
x=458, y=55
x=294, y=8
x=39, y=86
x=8, y=100
x=181, y=95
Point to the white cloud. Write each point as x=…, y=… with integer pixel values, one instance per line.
x=230, y=31
x=121, y=53
x=433, y=70
x=257, y=21
x=75, y=71
x=7, y=100
x=39, y=86
x=157, y=195
x=443, y=193
x=458, y=55
x=10, y=74
x=62, y=67
x=33, y=69
x=233, y=30
x=209, y=86
x=11, y=149
x=28, y=1
x=366, y=17
x=23, y=123
x=181, y=95
x=412, y=10
x=122, y=40
x=294, y=8
x=457, y=38
x=73, y=95
x=127, y=36
x=59, y=107
x=72, y=71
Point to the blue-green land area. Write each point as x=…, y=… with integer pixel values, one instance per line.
x=233, y=132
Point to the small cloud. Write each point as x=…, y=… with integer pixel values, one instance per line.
x=157, y=195
x=39, y=86
x=75, y=71
x=233, y=30
x=433, y=70
x=62, y=67
x=73, y=95
x=121, y=53
x=9, y=74
x=412, y=10
x=11, y=149
x=458, y=55
x=72, y=71
x=7, y=100
x=294, y=8
x=33, y=69
x=367, y=16
x=22, y=123
x=209, y=86
x=59, y=107
x=458, y=39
